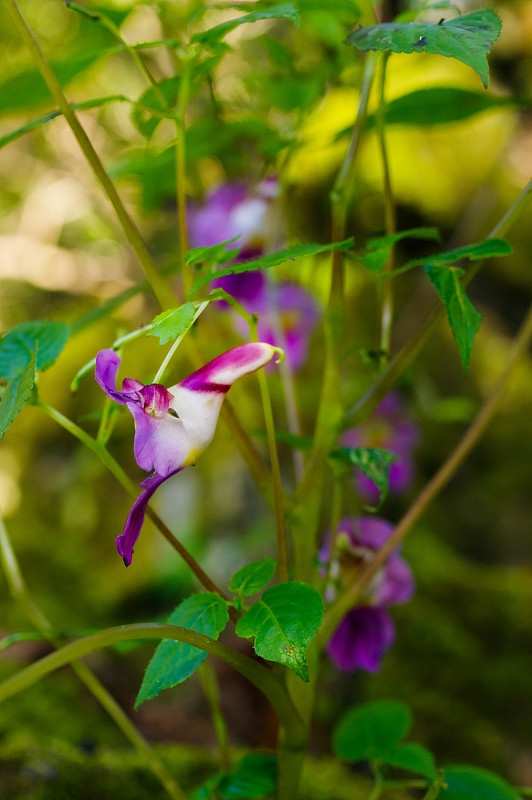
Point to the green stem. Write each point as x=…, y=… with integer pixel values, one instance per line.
x=349, y=599
x=180, y=167
x=211, y=690
x=387, y=299
x=364, y=407
x=20, y=593
x=170, y=354
x=259, y=675
x=114, y=467
x=158, y=284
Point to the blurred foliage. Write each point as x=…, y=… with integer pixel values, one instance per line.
x=277, y=101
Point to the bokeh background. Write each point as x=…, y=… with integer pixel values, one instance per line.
x=276, y=104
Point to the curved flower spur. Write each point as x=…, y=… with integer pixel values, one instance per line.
x=174, y=426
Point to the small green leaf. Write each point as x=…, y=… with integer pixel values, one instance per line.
x=18, y=345
x=213, y=35
x=274, y=259
x=371, y=730
x=213, y=255
x=463, y=317
x=16, y=394
x=283, y=623
x=378, y=249
x=254, y=777
x=171, y=324
x=468, y=38
x=144, y=120
x=251, y=578
x=173, y=662
x=414, y=758
x=489, y=248
x=374, y=462
x=472, y=783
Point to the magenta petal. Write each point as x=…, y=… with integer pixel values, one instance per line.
x=361, y=639
x=219, y=374
x=127, y=539
x=397, y=582
x=160, y=442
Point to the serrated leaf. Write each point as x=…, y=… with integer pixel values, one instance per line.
x=378, y=249
x=283, y=623
x=413, y=757
x=489, y=248
x=171, y=324
x=254, y=777
x=440, y=105
x=374, y=462
x=251, y=578
x=16, y=394
x=473, y=783
x=18, y=345
x=467, y=38
x=213, y=35
x=173, y=662
x=213, y=255
x=274, y=259
x=462, y=315
x=371, y=730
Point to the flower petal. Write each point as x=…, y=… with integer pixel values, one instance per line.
x=161, y=443
x=127, y=539
x=361, y=639
x=107, y=363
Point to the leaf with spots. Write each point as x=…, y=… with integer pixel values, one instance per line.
x=468, y=38
x=283, y=623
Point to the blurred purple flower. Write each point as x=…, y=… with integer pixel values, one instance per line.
x=388, y=428
x=173, y=426
x=366, y=632
x=232, y=210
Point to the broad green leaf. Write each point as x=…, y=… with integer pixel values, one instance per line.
x=463, y=317
x=16, y=393
x=251, y=578
x=213, y=35
x=489, y=248
x=371, y=730
x=171, y=324
x=36, y=123
x=254, y=777
x=374, y=462
x=173, y=662
x=274, y=259
x=283, y=623
x=467, y=38
x=18, y=344
x=414, y=758
x=440, y=105
x=473, y=783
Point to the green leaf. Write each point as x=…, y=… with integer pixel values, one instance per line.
x=251, y=578
x=173, y=662
x=36, y=123
x=374, y=462
x=145, y=121
x=414, y=758
x=378, y=249
x=213, y=255
x=17, y=393
x=489, y=248
x=473, y=783
x=254, y=777
x=468, y=38
x=463, y=317
x=371, y=730
x=18, y=345
x=213, y=35
x=284, y=622
x=171, y=324
x=440, y=105
x=274, y=259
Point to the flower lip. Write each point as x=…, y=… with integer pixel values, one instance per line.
x=155, y=399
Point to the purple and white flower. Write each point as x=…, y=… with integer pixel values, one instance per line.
x=366, y=632
x=174, y=426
